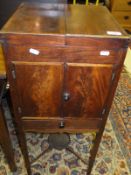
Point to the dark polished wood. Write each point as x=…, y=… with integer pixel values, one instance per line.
x=88, y=85
x=63, y=68
x=76, y=23
x=52, y=125
x=60, y=19
x=4, y=134
x=45, y=95
x=32, y=16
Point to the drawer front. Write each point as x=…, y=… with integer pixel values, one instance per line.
x=59, y=54
x=35, y=39
x=93, y=56
x=61, y=125
x=101, y=43
x=35, y=53
x=124, y=18
x=121, y=5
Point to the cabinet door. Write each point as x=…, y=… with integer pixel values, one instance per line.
x=39, y=87
x=86, y=89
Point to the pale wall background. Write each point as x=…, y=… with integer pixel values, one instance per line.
x=128, y=60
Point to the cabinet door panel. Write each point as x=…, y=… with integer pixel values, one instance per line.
x=88, y=86
x=39, y=87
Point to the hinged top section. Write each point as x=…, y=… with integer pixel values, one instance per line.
x=92, y=20
x=37, y=18
x=65, y=20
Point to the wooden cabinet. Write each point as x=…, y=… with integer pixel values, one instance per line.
x=121, y=10
x=120, y=4
x=63, y=68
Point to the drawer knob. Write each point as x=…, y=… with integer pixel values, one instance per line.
x=62, y=124
x=126, y=17
x=129, y=3
x=66, y=96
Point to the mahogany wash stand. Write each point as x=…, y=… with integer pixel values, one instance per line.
x=63, y=65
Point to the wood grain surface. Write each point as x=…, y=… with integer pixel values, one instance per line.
x=39, y=86
x=38, y=18
x=121, y=5
x=2, y=64
x=52, y=125
x=79, y=21
x=62, y=19
x=88, y=86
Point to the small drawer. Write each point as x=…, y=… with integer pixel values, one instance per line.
x=35, y=53
x=108, y=41
x=121, y=5
x=61, y=125
x=46, y=40
x=94, y=56
x=60, y=54
x=124, y=18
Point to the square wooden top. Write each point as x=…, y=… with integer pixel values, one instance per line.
x=63, y=19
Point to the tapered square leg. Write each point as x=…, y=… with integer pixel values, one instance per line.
x=23, y=146
x=5, y=141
